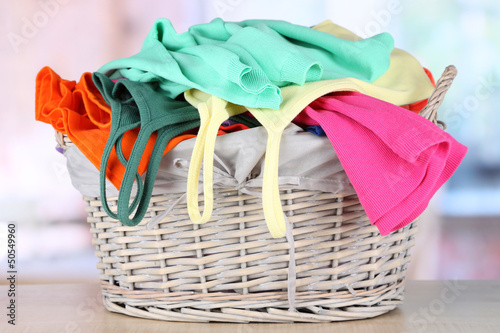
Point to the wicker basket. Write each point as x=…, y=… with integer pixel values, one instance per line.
x=231, y=269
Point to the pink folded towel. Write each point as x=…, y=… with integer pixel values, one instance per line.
x=396, y=160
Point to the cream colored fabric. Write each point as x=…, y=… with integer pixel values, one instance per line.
x=213, y=111
x=405, y=81
x=295, y=99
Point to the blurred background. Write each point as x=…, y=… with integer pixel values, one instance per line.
x=459, y=233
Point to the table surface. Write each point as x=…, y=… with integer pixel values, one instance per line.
x=429, y=306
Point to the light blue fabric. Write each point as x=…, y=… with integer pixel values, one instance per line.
x=246, y=62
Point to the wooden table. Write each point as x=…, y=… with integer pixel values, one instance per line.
x=430, y=306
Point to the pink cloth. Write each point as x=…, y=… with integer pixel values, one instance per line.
x=396, y=160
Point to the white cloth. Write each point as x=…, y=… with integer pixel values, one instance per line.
x=306, y=162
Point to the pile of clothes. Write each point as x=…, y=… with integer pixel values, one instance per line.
x=306, y=88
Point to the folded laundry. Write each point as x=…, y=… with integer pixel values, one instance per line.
x=187, y=90
x=246, y=62
x=395, y=159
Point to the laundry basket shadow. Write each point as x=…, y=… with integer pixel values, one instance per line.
x=232, y=270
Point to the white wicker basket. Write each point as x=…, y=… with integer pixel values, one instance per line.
x=231, y=269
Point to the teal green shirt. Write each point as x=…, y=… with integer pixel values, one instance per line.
x=246, y=62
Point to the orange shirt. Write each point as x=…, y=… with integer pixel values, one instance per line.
x=79, y=111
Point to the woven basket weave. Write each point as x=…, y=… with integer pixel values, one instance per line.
x=231, y=269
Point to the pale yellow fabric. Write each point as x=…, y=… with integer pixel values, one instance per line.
x=405, y=82
x=213, y=111
x=295, y=99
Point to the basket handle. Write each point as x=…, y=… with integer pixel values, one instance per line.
x=430, y=110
